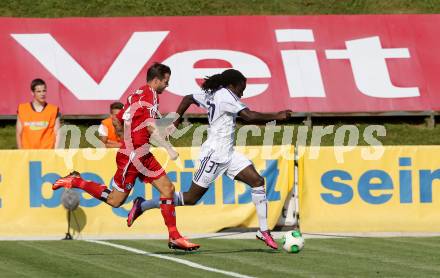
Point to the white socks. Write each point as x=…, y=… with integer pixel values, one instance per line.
x=260, y=202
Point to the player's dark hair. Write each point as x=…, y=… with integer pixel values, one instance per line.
x=116, y=105
x=157, y=70
x=217, y=81
x=36, y=82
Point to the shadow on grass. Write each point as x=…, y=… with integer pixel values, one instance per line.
x=217, y=251
x=185, y=253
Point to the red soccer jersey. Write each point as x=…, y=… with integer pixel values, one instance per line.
x=141, y=107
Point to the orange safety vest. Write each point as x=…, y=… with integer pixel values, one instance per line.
x=111, y=131
x=38, y=128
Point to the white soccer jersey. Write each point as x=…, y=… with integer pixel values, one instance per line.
x=223, y=107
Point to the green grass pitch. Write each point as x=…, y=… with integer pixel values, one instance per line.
x=330, y=257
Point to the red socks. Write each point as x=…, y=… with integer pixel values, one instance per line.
x=97, y=190
x=169, y=215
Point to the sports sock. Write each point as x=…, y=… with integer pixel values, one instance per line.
x=169, y=215
x=155, y=202
x=99, y=191
x=260, y=202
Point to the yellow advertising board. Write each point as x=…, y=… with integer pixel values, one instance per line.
x=365, y=190
x=29, y=207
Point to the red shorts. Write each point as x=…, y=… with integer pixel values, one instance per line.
x=146, y=168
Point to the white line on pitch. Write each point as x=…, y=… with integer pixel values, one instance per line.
x=180, y=261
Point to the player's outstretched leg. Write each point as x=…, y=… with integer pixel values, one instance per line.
x=74, y=180
x=66, y=181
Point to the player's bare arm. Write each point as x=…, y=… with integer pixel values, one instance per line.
x=250, y=116
x=186, y=102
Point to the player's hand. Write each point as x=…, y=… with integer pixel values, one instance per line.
x=284, y=115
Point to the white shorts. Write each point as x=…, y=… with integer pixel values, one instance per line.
x=210, y=170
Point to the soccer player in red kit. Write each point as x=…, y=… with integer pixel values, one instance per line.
x=134, y=159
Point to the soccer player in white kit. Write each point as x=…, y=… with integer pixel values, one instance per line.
x=221, y=98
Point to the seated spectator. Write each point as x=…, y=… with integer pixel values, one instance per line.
x=107, y=132
x=38, y=122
